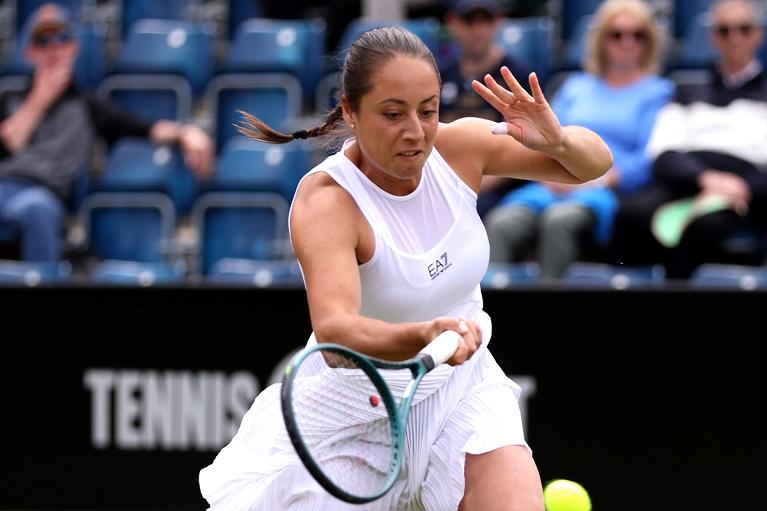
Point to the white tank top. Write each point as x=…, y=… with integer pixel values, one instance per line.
x=431, y=248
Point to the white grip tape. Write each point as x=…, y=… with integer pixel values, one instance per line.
x=442, y=347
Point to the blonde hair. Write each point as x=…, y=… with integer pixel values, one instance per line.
x=595, y=59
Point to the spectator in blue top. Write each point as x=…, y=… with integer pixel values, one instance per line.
x=617, y=96
x=474, y=26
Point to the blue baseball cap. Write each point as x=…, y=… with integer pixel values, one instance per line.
x=462, y=7
x=48, y=17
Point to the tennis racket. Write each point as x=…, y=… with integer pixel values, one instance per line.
x=343, y=419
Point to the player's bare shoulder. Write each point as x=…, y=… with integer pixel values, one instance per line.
x=321, y=205
x=461, y=143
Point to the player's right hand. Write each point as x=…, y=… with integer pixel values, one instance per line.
x=468, y=344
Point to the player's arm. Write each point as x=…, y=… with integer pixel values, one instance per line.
x=327, y=229
x=534, y=146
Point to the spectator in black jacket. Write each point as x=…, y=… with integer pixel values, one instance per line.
x=47, y=135
x=710, y=146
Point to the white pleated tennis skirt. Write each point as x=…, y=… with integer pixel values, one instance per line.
x=474, y=410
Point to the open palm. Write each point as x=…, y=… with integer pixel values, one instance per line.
x=529, y=119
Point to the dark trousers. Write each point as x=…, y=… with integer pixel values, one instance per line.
x=705, y=240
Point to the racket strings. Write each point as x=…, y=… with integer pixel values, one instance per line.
x=343, y=422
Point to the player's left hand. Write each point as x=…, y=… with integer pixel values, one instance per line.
x=529, y=119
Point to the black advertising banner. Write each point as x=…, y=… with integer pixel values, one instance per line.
x=115, y=398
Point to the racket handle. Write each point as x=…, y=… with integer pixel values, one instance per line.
x=441, y=348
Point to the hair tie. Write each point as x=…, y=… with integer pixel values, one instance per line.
x=301, y=134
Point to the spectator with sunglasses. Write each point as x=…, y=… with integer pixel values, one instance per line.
x=710, y=151
x=47, y=136
x=474, y=26
x=617, y=96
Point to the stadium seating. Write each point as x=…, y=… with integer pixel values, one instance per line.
x=243, y=211
x=684, y=14
x=135, y=10
x=256, y=273
x=33, y=273
x=506, y=275
x=248, y=165
x=111, y=272
x=160, y=46
x=243, y=225
x=241, y=10
x=129, y=226
x=296, y=47
x=530, y=40
x=274, y=98
x=728, y=276
x=137, y=165
x=582, y=274
x=150, y=97
x=574, y=49
x=572, y=13
x=427, y=29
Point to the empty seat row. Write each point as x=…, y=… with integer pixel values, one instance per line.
x=131, y=211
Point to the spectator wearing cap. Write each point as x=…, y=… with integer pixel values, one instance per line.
x=48, y=131
x=474, y=26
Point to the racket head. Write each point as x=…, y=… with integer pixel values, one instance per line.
x=343, y=422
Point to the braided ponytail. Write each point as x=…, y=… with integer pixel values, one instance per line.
x=253, y=127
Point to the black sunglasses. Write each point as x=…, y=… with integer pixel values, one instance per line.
x=48, y=38
x=477, y=15
x=637, y=35
x=725, y=30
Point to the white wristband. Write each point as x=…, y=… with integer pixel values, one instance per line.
x=500, y=129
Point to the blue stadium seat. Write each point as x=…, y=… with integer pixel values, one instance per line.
x=696, y=49
x=428, y=29
x=616, y=277
x=241, y=10
x=133, y=273
x=241, y=225
x=135, y=10
x=91, y=64
x=530, y=40
x=574, y=49
x=257, y=273
x=248, y=165
x=150, y=97
x=729, y=276
x=684, y=13
x=137, y=165
x=296, y=47
x=506, y=275
x=572, y=14
x=129, y=226
x=274, y=98
x=169, y=47
x=33, y=274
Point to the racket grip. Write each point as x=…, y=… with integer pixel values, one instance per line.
x=442, y=347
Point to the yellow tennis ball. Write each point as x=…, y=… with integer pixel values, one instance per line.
x=564, y=495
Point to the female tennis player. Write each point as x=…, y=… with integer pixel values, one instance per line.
x=392, y=252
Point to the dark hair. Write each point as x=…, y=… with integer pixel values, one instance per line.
x=371, y=49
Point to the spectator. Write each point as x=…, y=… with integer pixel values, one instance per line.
x=617, y=96
x=47, y=135
x=709, y=146
x=474, y=25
